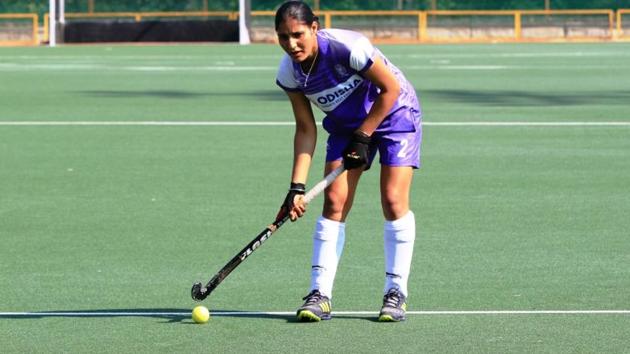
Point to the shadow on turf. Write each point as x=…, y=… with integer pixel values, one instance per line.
x=264, y=95
x=171, y=315
x=290, y=318
x=515, y=98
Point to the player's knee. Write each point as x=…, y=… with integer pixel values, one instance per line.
x=335, y=204
x=395, y=204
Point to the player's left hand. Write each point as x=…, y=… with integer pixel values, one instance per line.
x=356, y=153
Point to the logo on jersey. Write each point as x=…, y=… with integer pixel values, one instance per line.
x=329, y=99
x=341, y=70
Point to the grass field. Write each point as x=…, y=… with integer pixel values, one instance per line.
x=128, y=173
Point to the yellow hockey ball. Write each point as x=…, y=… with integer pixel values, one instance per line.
x=200, y=314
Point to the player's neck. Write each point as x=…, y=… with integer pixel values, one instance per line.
x=308, y=64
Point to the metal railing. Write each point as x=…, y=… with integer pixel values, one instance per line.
x=34, y=40
x=408, y=25
x=425, y=28
x=620, y=32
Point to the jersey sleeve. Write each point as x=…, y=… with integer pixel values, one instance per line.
x=285, y=78
x=361, y=55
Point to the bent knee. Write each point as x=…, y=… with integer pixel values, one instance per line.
x=395, y=204
x=335, y=202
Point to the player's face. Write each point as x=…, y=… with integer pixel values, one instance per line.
x=297, y=39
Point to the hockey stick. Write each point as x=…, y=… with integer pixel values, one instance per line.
x=200, y=292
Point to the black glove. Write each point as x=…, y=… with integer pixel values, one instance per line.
x=287, y=205
x=356, y=153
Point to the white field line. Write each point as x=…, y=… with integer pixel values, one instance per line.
x=290, y=313
x=154, y=68
x=277, y=55
x=166, y=69
x=526, y=124
x=577, y=54
x=278, y=123
x=143, y=123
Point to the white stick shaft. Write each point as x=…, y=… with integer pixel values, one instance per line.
x=319, y=187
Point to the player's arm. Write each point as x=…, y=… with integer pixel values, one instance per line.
x=356, y=153
x=304, y=142
x=389, y=86
x=305, y=136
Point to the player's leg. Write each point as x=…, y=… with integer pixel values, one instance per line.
x=399, y=157
x=339, y=196
x=399, y=229
x=328, y=241
x=395, y=188
x=329, y=234
x=399, y=233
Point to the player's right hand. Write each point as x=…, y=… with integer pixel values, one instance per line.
x=293, y=204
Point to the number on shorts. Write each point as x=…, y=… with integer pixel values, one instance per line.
x=404, y=144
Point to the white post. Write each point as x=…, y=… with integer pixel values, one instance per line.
x=52, y=23
x=62, y=12
x=243, y=32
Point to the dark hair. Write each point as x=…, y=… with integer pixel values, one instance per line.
x=297, y=10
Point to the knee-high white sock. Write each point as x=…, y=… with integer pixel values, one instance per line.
x=398, y=236
x=328, y=240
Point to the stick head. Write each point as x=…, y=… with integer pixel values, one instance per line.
x=199, y=292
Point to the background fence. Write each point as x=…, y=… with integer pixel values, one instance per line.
x=40, y=7
x=26, y=22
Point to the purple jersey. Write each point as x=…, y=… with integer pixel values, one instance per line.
x=336, y=84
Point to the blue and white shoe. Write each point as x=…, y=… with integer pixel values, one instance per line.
x=394, y=307
x=317, y=307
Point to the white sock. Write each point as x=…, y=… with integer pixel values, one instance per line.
x=328, y=241
x=398, y=236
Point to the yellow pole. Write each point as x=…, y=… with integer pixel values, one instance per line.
x=611, y=24
x=91, y=6
x=35, y=29
x=547, y=5
x=46, y=28
x=422, y=26
x=517, y=25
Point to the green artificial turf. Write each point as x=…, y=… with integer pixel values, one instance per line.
x=122, y=219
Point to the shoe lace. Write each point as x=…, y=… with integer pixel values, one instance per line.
x=392, y=298
x=313, y=297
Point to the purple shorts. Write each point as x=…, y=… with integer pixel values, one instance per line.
x=394, y=148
